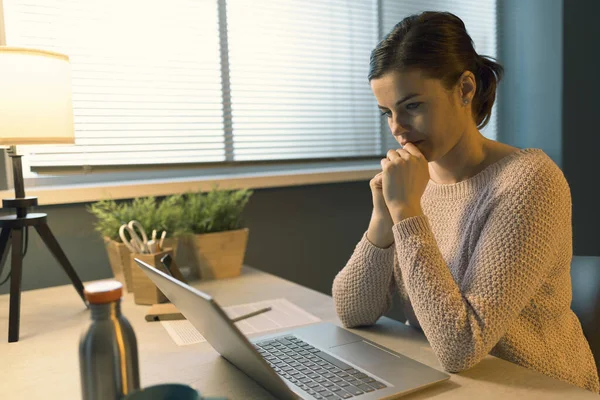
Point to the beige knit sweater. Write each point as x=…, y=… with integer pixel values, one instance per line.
x=485, y=270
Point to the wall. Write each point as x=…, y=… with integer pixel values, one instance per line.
x=530, y=97
x=581, y=133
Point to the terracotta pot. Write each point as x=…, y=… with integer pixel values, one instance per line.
x=221, y=254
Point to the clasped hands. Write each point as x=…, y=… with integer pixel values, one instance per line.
x=404, y=177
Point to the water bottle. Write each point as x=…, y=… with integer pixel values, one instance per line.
x=108, y=356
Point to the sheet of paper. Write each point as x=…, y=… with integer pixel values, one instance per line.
x=283, y=314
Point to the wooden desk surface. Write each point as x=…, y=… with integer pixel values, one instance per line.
x=44, y=364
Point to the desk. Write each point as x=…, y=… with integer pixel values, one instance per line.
x=44, y=364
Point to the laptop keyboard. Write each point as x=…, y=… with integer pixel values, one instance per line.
x=314, y=371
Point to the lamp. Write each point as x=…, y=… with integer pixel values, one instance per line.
x=35, y=108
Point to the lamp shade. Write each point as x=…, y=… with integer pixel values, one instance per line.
x=35, y=97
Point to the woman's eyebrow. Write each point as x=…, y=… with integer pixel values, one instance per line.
x=410, y=96
x=402, y=100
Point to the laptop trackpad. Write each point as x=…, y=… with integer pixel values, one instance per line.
x=379, y=362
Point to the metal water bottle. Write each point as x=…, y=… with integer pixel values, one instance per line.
x=108, y=356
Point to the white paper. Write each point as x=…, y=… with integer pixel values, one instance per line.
x=283, y=314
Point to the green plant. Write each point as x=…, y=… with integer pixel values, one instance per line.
x=215, y=211
x=190, y=213
x=148, y=211
x=110, y=215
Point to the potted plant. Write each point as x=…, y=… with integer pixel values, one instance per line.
x=152, y=214
x=213, y=223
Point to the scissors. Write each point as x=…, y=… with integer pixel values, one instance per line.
x=136, y=244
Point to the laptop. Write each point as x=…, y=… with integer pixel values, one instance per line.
x=318, y=361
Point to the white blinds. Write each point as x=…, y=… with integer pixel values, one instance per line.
x=299, y=78
x=145, y=74
x=479, y=17
x=148, y=87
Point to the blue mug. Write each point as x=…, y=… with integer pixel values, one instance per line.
x=168, y=391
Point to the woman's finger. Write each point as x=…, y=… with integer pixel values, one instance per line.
x=392, y=155
x=377, y=181
x=413, y=150
x=403, y=154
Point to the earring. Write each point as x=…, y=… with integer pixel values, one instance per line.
x=466, y=101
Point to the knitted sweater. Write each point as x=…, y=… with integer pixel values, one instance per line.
x=485, y=270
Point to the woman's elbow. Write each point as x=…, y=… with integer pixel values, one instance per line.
x=351, y=310
x=352, y=317
x=347, y=316
x=354, y=321
x=453, y=368
x=456, y=361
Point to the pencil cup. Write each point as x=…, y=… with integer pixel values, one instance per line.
x=119, y=259
x=144, y=290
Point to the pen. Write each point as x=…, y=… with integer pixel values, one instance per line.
x=252, y=314
x=162, y=239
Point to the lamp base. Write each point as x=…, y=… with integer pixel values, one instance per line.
x=12, y=235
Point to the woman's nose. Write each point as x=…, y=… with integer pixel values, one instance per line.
x=397, y=126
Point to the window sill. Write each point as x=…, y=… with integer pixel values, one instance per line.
x=127, y=189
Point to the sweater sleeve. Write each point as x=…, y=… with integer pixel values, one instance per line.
x=405, y=303
x=362, y=291
x=523, y=227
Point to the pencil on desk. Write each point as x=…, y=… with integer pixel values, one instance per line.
x=252, y=314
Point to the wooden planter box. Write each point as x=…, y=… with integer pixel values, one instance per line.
x=119, y=260
x=221, y=254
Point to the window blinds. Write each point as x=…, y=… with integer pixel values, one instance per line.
x=193, y=81
x=299, y=78
x=145, y=74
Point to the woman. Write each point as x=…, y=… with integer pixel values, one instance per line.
x=474, y=234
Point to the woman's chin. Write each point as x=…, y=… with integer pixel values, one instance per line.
x=423, y=148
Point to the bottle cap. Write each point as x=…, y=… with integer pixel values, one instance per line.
x=103, y=292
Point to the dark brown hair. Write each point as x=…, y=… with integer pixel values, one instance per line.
x=438, y=44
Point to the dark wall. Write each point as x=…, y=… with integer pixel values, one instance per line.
x=549, y=96
x=581, y=125
x=530, y=94
x=304, y=234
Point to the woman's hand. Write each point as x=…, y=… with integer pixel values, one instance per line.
x=380, y=228
x=404, y=179
x=379, y=206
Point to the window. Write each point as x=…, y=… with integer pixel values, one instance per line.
x=299, y=79
x=211, y=81
x=145, y=76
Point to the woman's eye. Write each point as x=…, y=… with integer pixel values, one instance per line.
x=413, y=106
x=386, y=113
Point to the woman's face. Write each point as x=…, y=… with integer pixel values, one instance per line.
x=422, y=111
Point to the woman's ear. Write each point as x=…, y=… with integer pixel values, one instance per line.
x=467, y=85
